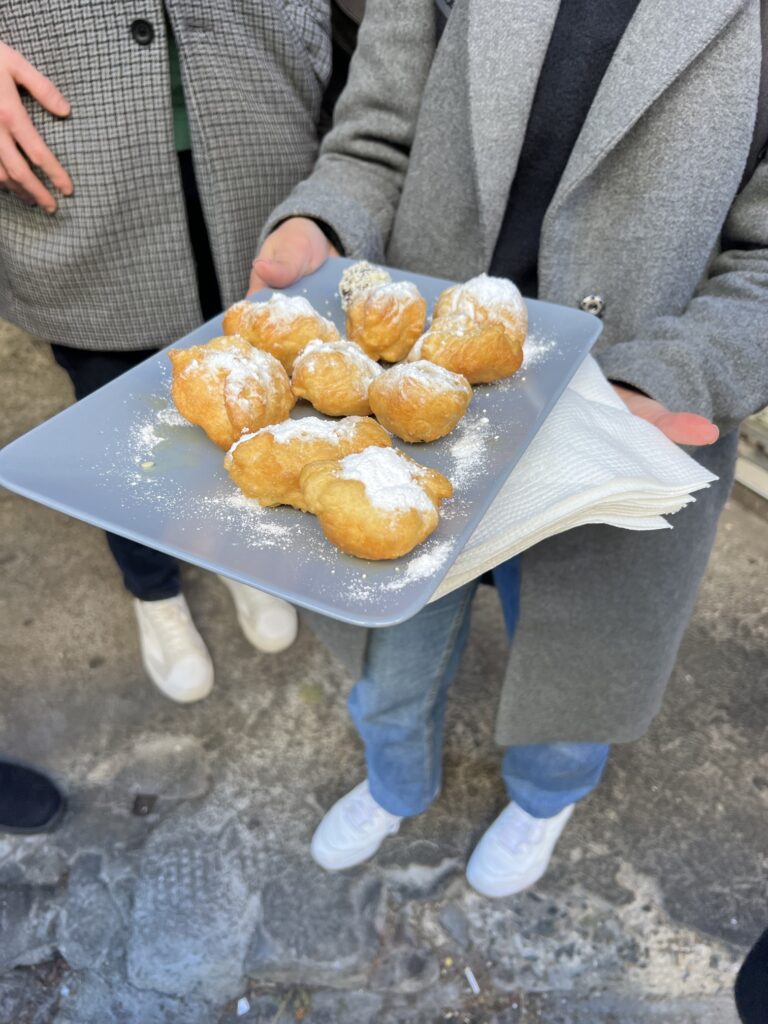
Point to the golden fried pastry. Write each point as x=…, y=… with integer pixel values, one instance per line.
x=266, y=465
x=386, y=320
x=227, y=386
x=281, y=326
x=376, y=504
x=335, y=376
x=480, y=351
x=486, y=298
x=360, y=277
x=419, y=401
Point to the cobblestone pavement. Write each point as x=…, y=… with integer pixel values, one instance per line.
x=654, y=894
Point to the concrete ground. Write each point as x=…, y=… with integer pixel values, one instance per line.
x=655, y=892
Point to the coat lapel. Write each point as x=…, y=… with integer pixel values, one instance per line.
x=508, y=41
x=661, y=40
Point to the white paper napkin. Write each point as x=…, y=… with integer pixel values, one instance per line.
x=591, y=462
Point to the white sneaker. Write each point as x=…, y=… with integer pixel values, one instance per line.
x=352, y=831
x=174, y=654
x=268, y=623
x=515, y=851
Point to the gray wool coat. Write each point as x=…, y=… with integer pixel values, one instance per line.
x=648, y=215
x=113, y=268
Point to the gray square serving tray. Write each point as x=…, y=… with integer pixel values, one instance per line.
x=124, y=460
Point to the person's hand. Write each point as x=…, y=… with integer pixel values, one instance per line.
x=681, y=427
x=295, y=248
x=20, y=142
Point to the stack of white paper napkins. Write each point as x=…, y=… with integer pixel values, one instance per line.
x=592, y=461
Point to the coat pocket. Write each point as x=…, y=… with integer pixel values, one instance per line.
x=310, y=21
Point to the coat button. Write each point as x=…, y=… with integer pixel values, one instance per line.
x=142, y=31
x=594, y=304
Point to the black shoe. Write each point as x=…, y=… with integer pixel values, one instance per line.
x=29, y=802
x=752, y=984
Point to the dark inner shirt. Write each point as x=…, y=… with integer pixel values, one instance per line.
x=585, y=36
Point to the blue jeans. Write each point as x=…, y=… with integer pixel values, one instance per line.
x=399, y=706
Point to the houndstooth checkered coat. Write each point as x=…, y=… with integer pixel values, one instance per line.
x=113, y=268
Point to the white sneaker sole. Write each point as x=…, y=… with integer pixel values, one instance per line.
x=271, y=643
x=499, y=890
x=334, y=860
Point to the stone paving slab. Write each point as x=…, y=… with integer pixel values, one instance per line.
x=654, y=894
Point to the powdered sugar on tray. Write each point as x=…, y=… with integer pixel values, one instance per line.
x=156, y=441
x=422, y=566
x=467, y=447
x=147, y=433
x=258, y=527
x=431, y=558
x=171, y=417
x=536, y=349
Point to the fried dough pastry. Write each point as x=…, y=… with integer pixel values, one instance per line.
x=334, y=376
x=419, y=401
x=227, y=387
x=386, y=320
x=377, y=504
x=281, y=326
x=266, y=465
x=485, y=298
x=481, y=351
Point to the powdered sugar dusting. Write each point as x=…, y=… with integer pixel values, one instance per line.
x=143, y=439
x=251, y=521
x=148, y=433
x=279, y=309
x=467, y=446
x=391, y=481
x=537, y=348
x=429, y=374
x=402, y=291
x=308, y=428
x=170, y=416
x=315, y=351
x=489, y=292
x=433, y=556
x=239, y=367
x=157, y=451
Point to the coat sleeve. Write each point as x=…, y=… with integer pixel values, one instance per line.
x=356, y=183
x=713, y=358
